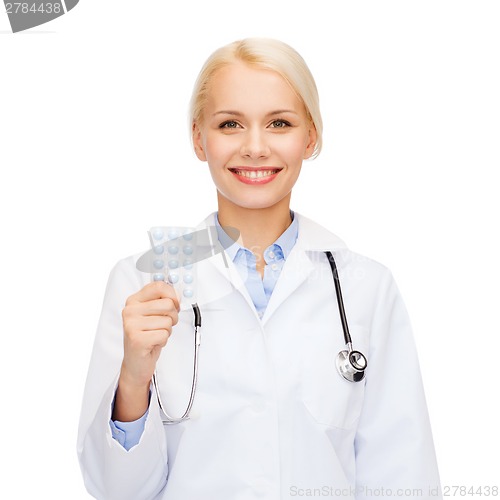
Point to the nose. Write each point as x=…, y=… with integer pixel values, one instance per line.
x=254, y=144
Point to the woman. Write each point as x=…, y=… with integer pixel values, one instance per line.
x=272, y=418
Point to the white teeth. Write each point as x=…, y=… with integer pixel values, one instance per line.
x=255, y=174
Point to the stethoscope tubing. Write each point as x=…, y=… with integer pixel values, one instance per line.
x=168, y=420
x=340, y=301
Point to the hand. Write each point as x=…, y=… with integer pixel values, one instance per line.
x=148, y=318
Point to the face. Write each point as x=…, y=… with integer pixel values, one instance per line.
x=254, y=135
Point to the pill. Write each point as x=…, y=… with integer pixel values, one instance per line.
x=157, y=234
x=173, y=278
x=158, y=249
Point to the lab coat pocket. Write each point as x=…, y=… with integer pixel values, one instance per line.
x=329, y=398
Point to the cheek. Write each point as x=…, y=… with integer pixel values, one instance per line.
x=293, y=149
x=217, y=148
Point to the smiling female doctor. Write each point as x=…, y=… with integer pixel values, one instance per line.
x=272, y=417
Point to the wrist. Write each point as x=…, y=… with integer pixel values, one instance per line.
x=132, y=383
x=131, y=400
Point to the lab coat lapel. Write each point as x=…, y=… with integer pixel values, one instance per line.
x=300, y=264
x=295, y=271
x=219, y=272
x=229, y=274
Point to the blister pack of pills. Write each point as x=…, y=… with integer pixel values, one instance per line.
x=173, y=260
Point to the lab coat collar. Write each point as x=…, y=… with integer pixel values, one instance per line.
x=312, y=239
x=285, y=242
x=312, y=236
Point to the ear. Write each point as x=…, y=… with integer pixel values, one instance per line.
x=313, y=137
x=198, y=142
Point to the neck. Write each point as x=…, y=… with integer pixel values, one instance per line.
x=258, y=227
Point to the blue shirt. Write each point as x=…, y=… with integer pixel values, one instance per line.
x=275, y=255
x=260, y=289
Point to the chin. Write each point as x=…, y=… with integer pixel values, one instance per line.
x=255, y=203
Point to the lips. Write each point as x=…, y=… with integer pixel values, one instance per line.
x=255, y=175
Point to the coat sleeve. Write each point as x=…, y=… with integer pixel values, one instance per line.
x=394, y=445
x=109, y=471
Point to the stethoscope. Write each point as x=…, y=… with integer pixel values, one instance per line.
x=350, y=364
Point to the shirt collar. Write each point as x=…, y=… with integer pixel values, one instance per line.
x=286, y=241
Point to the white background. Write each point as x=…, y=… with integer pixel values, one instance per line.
x=94, y=150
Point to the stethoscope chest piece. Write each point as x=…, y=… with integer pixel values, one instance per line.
x=351, y=365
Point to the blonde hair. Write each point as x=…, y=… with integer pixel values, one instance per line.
x=265, y=53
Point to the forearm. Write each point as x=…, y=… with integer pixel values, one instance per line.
x=131, y=401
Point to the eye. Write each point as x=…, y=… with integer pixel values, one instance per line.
x=229, y=124
x=280, y=124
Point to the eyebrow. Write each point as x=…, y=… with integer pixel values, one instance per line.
x=237, y=113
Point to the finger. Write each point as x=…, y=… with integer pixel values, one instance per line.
x=160, y=307
x=157, y=307
x=155, y=290
x=148, y=323
x=145, y=341
x=158, y=337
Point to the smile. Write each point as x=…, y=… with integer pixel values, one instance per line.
x=255, y=175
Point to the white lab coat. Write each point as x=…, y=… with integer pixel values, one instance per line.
x=272, y=418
